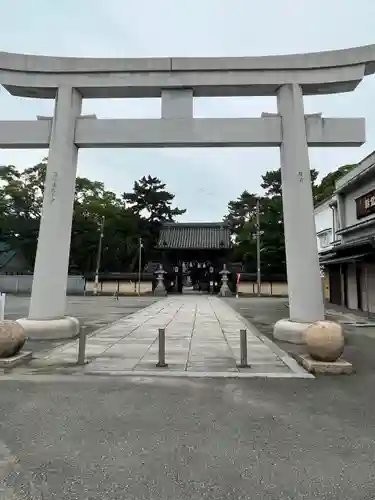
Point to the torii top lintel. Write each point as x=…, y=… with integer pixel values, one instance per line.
x=317, y=73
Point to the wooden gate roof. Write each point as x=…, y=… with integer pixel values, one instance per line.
x=195, y=236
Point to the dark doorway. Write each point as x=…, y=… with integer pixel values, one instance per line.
x=344, y=284
x=358, y=277
x=335, y=290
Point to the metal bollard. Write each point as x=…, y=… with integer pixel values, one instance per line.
x=81, y=347
x=161, y=363
x=2, y=306
x=243, y=350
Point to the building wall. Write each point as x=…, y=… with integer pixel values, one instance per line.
x=323, y=225
x=351, y=277
x=369, y=293
x=363, y=287
x=343, y=276
x=367, y=287
x=363, y=166
x=360, y=232
x=326, y=288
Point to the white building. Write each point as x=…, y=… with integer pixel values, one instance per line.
x=345, y=226
x=324, y=225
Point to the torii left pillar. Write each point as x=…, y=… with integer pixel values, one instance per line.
x=47, y=318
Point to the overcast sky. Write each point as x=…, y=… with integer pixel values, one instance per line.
x=205, y=179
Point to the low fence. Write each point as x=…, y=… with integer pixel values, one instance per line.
x=78, y=285
x=272, y=285
x=127, y=284
x=22, y=283
x=112, y=287
x=270, y=288
x=131, y=287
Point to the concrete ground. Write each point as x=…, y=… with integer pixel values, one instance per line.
x=359, y=340
x=155, y=438
x=114, y=438
x=92, y=312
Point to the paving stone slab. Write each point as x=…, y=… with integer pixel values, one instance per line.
x=202, y=336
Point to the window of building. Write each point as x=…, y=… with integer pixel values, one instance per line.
x=324, y=239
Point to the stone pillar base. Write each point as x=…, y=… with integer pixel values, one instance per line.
x=290, y=331
x=338, y=367
x=50, y=329
x=225, y=293
x=160, y=292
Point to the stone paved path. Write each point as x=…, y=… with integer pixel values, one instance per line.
x=202, y=339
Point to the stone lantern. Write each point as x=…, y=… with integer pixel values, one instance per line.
x=211, y=278
x=160, y=287
x=224, y=290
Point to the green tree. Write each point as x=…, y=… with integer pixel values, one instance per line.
x=150, y=199
x=21, y=199
x=242, y=219
x=121, y=229
x=272, y=237
x=326, y=187
x=240, y=211
x=271, y=181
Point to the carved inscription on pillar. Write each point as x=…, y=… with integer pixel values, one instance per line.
x=54, y=186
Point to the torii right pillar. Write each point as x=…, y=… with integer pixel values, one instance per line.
x=304, y=282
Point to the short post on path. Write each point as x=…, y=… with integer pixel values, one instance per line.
x=2, y=306
x=81, y=347
x=161, y=363
x=243, y=350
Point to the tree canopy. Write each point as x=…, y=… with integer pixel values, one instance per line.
x=326, y=187
x=241, y=217
x=133, y=215
x=150, y=199
x=138, y=214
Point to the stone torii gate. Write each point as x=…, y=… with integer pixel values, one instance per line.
x=177, y=81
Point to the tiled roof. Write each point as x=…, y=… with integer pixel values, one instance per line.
x=199, y=235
